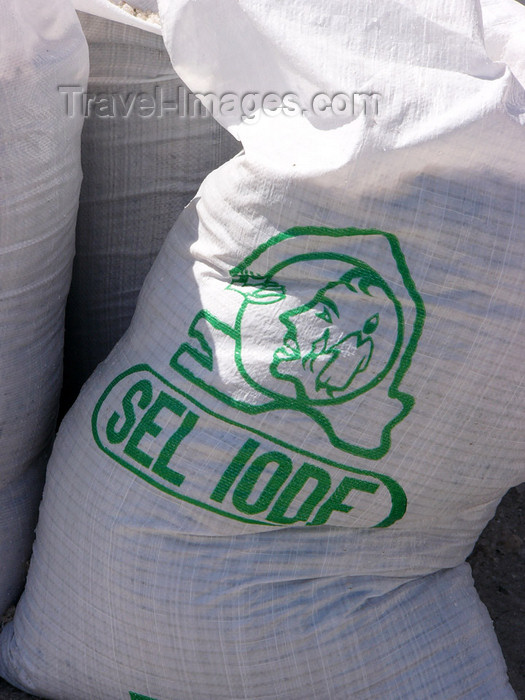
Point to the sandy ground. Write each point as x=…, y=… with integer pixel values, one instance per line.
x=498, y=564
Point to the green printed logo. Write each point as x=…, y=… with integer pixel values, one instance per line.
x=159, y=433
x=304, y=352
x=314, y=343
x=136, y=696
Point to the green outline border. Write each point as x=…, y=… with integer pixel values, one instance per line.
x=407, y=400
x=397, y=494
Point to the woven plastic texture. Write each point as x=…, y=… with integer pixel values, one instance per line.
x=270, y=486
x=41, y=49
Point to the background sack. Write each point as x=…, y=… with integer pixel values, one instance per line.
x=504, y=27
x=41, y=48
x=146, y=147
x=268, y=489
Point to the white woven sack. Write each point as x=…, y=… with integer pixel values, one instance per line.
x=504, y=29
x=143, y=159
x=271, y=485
x=41, y=49
x=139, y=13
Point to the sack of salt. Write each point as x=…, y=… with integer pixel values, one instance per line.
x=42, y=49
x=270, y=486
x=146, y=148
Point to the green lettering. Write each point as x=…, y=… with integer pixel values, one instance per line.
x=234, y=469
x=252, y=475
x=161, y=465
x=294, y=486
x=116, y=436
x=148, y=426
x=335, y=501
